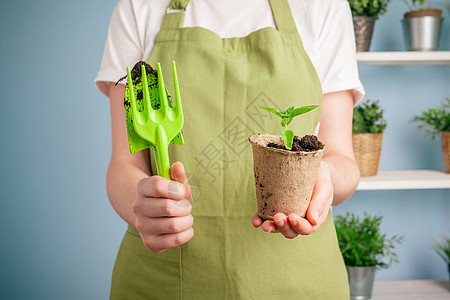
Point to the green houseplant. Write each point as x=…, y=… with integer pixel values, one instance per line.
x=436, y=121
x=443, y=250
x=422, y=25
x=368, y=127
x=364, y=249
x=364, y=13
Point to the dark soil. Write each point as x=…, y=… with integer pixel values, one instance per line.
x=306, y=143
x=136, y=72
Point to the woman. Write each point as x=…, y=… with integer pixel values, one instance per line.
x=232, y=57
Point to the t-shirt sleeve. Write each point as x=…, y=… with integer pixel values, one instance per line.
x=337, y=52
x=122, y=48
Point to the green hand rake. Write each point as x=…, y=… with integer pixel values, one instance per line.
x=157, y=126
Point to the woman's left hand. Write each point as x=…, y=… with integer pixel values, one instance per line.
x=293, y=225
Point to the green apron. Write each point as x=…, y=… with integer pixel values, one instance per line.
x=223, y=82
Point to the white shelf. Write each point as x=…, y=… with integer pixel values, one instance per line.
x=405, y=180
x=404, y=58
x=411, y=289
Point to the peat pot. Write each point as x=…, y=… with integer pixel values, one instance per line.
x=284, y=180
x=361, y=282
x=422, y=29
x=363, y=27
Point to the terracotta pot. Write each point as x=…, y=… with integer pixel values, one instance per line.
x=363, y=27
x=367, y=149
x=284, y=179
x=445, y=142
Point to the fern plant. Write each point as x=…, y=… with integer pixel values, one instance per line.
x=368, y=118
x=443, y=249
x=361, y=242
x=435, y=120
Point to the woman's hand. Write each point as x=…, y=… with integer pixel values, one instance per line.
x=163, y=210
x=293, y=225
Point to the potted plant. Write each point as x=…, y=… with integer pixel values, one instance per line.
x=285, y=167
x=364, y=13
x=436, y=121
x=443, y=250
x=363, y=249
x=422, y=26
x=368, y=127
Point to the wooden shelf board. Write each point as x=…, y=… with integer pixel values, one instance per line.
x=411, y=289
x=406, y=180
x=404, y=58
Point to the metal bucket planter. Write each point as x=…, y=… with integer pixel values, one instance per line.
x=422, y=29
x=361, y=282
x=363, y=27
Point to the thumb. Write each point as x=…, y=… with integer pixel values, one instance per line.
x=178, y=174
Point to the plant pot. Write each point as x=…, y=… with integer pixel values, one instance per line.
x=363, y=27
x=445, y=142
x=284, y=179
x=361, y=282
x=422, y=29
x=367, y=149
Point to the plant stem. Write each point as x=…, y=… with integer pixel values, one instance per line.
x=407, y=4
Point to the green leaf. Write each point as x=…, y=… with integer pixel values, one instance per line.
x=288, y=138
x=288, y=110
x=302, y=110
x=272, y=110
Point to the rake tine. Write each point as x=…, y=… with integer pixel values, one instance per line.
x=146, y=94
x=162, y=91
x=176, y=87
x=134, y=109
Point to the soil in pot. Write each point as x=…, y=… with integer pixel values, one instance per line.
x=426, y=12
x=284, y=179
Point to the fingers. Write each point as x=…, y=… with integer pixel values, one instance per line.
x=159, y=187
x=160, y=243
x=158, y=226
x=284, y=226
x=162, y=207
x=256, y=221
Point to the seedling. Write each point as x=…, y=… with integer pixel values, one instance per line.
x=287, y=116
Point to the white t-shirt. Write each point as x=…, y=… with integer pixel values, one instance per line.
x=325, y=27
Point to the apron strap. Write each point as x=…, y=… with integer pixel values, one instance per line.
x=178, y=4
x=280, y=8
x=283, y=16
x=174, y=19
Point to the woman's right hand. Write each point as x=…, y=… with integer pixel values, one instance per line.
x=163, y=210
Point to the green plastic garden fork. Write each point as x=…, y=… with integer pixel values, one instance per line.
x=157, y=126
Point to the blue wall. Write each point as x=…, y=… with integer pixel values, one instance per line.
x=59, y=235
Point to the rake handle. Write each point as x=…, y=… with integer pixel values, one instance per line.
x=162, y=152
